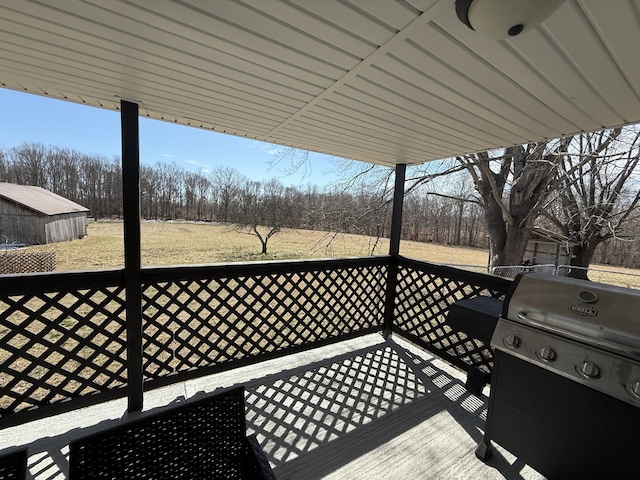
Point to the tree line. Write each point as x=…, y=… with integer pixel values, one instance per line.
x=442, y=207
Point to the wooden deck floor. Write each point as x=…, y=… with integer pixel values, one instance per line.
x=362, y=409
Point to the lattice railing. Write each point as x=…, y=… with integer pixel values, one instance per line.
x=424, y=294
x=210, y=317
x=62, y=336
x=25, y=262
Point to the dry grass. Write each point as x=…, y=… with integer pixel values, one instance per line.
x=174, y=243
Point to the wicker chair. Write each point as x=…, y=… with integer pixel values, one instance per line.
x=197, y=440
x=13, y=464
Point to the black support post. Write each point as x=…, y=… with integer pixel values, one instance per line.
x=132, y=254
x=396, y=215
x=394, y=248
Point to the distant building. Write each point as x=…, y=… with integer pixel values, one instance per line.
x=548, y=248
x=33, y=215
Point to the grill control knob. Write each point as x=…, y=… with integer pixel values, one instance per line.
x=511, y=341
x=634, y=388
x=589, y=370
x=547, y=354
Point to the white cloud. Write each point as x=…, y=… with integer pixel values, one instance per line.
x=188, y=161
x=194, y=162
x=268, y=148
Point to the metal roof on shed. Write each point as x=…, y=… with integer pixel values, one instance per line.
x=39, y=199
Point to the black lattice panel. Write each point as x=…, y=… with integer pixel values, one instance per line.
x=195, y=323
x=60, y=345
x=422, y=301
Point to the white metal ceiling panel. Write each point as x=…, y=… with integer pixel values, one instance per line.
x=383, y=81
x=588, y=52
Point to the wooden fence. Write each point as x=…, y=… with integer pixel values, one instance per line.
x=27, y=262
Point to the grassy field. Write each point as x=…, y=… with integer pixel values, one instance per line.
x=169, y=243
x=175, y=243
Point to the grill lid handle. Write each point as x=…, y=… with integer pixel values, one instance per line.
x=526, y=318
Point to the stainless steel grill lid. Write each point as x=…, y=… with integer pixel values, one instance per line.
x=596, y=313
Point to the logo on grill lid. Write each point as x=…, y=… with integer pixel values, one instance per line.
x=584, y=310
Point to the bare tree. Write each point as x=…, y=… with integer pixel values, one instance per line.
x=595, y=203
x=449, y=199
x=62, y=170
x=202, y=192
x=513, y=184
x=29, y=161
x=291, y=160
x=149, y=191
x=263, y=210
x=226, y=183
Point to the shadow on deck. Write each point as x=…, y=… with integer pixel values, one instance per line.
x=361, y=409
x=383, y=411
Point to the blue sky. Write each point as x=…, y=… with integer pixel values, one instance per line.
x=33, y=118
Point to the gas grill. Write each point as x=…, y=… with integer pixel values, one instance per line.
x=565, y=385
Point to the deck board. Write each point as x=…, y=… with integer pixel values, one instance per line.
x=385, y=410
x=361, y=409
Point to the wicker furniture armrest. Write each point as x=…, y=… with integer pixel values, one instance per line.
x=13, y=464
x=201, y=439
x=257, y=465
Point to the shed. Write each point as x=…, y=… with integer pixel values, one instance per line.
x=546, y=247
x=33, y=215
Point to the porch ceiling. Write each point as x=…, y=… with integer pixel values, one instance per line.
x=384, y=81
